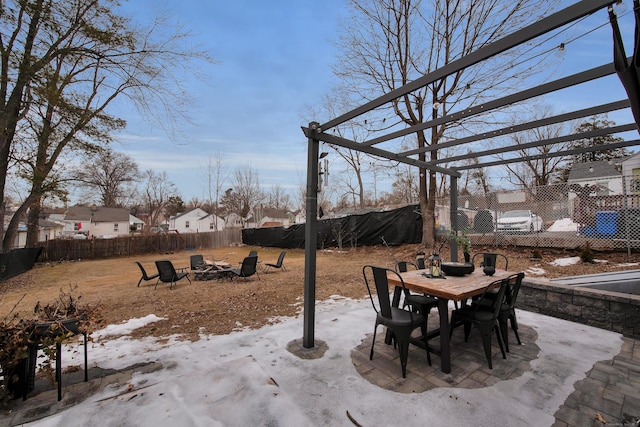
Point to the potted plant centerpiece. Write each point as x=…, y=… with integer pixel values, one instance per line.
x=50, y=325
x=463, y=242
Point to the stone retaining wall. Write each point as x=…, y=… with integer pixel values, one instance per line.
x=603, y=309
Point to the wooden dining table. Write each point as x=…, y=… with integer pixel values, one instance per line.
x=450, y=288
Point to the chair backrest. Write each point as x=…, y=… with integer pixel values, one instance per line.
x=381, y=282
x=403, y=266
x=494, y=304
x=197, y=261
x=253, y=253
x=420, y=263
x=281, y=258
x=144, y=273
x=249, y=265
x=166, y=270
x=511, y=294
x=490, y=259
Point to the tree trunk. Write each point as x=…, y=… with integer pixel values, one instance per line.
x=33, y=223
x=11, y=232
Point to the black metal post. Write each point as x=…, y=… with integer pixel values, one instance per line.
x=453, y=198
x=311, y=238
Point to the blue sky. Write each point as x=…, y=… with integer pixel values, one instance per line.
x=274, y=61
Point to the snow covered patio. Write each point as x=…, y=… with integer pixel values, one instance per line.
x=250, y=378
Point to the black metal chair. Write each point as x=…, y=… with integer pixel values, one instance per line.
x=247, y=269
x=508, y=309
x=278, y=264
x=167, y=273
x=146, y=277
x=401, y=323
x=490, y=260
x=420, y=303
x=484, y=316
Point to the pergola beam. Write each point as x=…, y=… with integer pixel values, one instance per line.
x=563, y=83
x=550, y=23
x=389, y=155
x=611, y=146
x=558, y=140
x=586, y=112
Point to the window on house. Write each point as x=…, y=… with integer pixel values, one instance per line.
x=186, y=224
x=76, y=226
x=210, y=226
x=115, y=227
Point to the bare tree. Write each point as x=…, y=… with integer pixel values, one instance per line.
x=112, y=174
x=536, y=168
x=405, y=187
x=63, y=63
x=388, y=43
x=214, y=176
x=246, y=195
x=278, y=198
x=157, y=191
x=247, y=184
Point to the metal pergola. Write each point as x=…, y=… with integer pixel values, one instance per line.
x=625, y=68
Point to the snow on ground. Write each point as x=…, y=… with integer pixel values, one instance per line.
x=566, y=261
x=250, y=378
x=535, y=271
x=564, y=224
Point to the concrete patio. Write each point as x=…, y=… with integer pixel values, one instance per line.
x=564, y=374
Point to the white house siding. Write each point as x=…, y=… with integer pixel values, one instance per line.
x=210, y=223
x=187, y=222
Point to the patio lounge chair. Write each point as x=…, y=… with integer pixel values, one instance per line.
x=145, y=276
x=278, y=264
x=168, y=273
x=247, y=269
x=197, y=263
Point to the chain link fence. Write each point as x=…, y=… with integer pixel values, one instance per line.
x=604, y=213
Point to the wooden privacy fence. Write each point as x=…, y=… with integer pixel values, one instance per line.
x=59, y=249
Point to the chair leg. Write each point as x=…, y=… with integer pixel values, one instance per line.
x=514, y=326
x=500, y=343
x=403, y=349
x=426, y=341
x=485, y=334
x=140, y=281
x=502, y=321
x=467, y=330
x=373, y=341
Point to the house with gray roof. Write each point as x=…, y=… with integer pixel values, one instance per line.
x=96, y=221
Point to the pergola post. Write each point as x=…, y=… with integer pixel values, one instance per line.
x=453, y=200
x=311, y=238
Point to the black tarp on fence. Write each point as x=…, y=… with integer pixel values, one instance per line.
x=398, y=226
x=18, y=261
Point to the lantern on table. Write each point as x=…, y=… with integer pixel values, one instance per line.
x=435, y=266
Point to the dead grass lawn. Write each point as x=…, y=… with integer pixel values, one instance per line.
x=220, y=306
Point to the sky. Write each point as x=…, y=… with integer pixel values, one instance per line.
x=249, y=378
x=274, y=62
